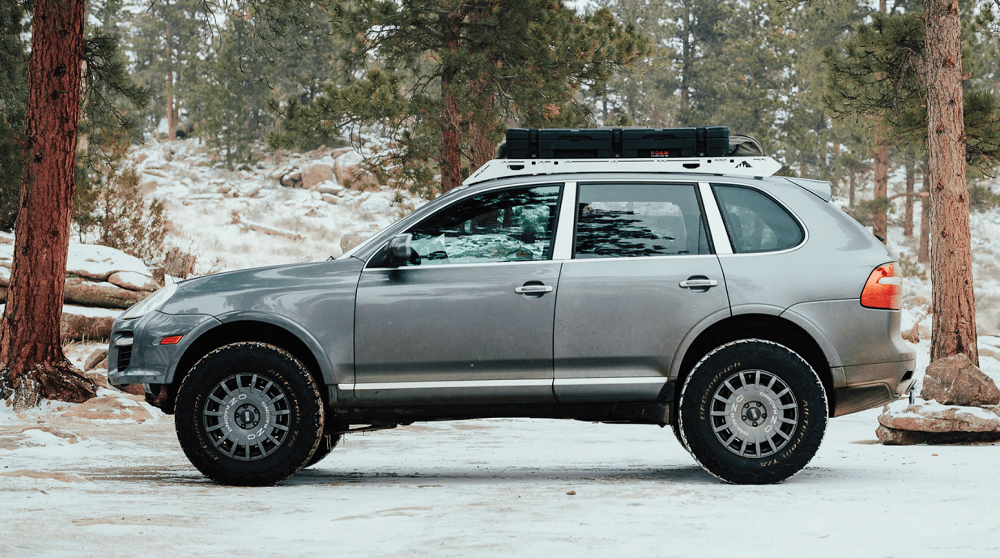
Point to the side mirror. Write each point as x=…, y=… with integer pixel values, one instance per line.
x=399, y=251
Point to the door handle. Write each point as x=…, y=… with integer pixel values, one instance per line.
x=533, y=289
x=694, y=283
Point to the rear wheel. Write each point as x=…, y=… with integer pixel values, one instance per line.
x=753, y=412
x=249, y=414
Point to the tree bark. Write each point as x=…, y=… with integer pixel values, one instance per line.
x=451, y=148
x=908, y=215
x=924, y=252
x=851, y=187
x=880, y=225
x=34, y=366
x=953, y=299
x=171, y=113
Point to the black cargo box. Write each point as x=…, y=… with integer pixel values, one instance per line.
x=608, y=143
x=575, y=144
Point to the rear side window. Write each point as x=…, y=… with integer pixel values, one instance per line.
x=624, y=220
x=755, y=222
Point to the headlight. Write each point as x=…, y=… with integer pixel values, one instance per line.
x=150, y=303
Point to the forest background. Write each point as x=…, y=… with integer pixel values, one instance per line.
x=831, y=89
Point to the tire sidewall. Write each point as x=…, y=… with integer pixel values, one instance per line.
x=719, y=365
x=306, y=414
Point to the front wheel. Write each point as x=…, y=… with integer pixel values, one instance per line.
x=249, y=414
x=753, y=412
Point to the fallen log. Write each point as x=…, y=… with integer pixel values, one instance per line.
x=274, y=231
x=100, y=295
x=75, y=327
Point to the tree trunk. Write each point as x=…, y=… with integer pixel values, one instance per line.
x=908, y=215
x=171, y=113
x=953, y=304
x=451, y=148
x=34, y=366
x=851, y=187
x=924, y=253
x=881, y=167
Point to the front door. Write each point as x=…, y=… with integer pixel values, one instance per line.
x=471, y=320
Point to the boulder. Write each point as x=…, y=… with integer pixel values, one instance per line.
x=349, y=172
x=933, y=423
x=934, y=417
x=956, y=381
x=329, y=187
x=350, y=240
x=316, y=174
x=891, y=437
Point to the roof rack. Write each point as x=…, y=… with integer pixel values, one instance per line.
x=732, y=166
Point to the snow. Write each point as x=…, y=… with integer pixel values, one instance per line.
x=488, y=488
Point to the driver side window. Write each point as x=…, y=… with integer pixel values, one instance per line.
x=515, y=224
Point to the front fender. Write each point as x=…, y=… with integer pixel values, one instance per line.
x=340, y=370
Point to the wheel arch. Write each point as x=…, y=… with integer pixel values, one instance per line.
x=769, y=325
x=263, y=328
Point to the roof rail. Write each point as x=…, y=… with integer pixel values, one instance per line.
x=732, y=166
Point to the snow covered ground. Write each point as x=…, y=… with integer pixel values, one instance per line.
x=107, y=477
x=120, y=486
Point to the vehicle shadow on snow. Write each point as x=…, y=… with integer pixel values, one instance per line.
x=457, y=475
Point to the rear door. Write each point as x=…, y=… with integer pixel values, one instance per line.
x=472, y=320
x=643, y=274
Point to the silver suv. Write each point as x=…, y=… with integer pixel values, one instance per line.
x=740, y=308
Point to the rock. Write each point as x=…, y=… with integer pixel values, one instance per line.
x=349, y=172
x=933, y=423
x=892, y=437
x=329, y=187
x=95, y=359
x=280, y=172
x=331, y=199
x=133, y=281
x=934, y=417
x=956, y=381
x=350, y=240
x=316, y=174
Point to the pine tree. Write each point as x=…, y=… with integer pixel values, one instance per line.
x=443, y=79
x=13, y=100
x=895, y=70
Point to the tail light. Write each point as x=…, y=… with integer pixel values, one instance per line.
x=884, y=288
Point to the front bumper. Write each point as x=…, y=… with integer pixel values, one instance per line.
x=135, y=352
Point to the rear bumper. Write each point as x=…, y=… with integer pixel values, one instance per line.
x=873, y=385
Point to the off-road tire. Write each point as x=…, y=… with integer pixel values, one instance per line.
x=326, y=445
x=249, y=414
x=753, y=412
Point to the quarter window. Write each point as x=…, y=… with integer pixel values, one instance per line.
x=516, y=224
x=633, y=220
x=755, y=222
